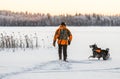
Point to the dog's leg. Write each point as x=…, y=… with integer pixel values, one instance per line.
x=99, y=58
x=91, y=57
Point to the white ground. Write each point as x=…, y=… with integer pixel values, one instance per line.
x=43, y=63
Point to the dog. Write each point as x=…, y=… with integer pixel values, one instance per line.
x=99, y=53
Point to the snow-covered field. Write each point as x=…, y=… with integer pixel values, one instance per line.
x=43, y=63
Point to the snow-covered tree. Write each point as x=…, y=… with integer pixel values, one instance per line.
x=9, y=18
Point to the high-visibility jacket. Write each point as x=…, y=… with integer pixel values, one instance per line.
x=57, y=35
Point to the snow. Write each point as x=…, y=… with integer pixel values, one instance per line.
x=43, y=63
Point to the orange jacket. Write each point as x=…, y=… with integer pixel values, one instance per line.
x=62, y=41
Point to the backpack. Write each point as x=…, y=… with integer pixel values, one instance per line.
x=64, y=34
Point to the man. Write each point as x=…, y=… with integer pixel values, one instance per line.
x=63, y=37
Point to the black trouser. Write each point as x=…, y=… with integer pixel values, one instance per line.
x=62, y=48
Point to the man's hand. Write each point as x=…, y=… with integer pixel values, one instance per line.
x=54, y=43
x=69, y=42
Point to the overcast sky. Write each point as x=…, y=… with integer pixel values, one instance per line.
x=57, y=7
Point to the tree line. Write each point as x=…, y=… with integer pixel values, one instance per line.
x=9, y=18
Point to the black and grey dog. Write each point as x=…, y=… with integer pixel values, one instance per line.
x=99, y=53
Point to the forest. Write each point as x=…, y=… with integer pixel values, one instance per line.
x=10, y=18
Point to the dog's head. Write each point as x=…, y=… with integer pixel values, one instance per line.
x=93, y=46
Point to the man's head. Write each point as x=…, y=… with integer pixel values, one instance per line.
x=63, y=24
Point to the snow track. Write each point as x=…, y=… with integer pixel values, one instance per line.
x=60, y=66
